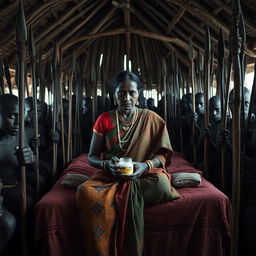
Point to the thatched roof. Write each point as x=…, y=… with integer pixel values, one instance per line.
x=144, y=30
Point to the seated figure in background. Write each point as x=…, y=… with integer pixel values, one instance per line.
x=111, y=204
x=151, y=104
x=11, y=159
x=211, y=133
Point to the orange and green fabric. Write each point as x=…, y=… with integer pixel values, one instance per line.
x=111, y=209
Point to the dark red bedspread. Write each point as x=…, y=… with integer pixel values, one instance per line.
x=197, y=224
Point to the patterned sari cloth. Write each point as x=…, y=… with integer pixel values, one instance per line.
x=111, y=209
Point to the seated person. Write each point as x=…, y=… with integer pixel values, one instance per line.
x=111, y=205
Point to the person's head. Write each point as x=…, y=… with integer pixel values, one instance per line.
x=186, y=102
x=214, y=109
x=65, y=103
x=127, y=87
x=247, y=96
x=9, y=114
x=29, y=110
x=150, y=102
x=199, y=103
x=142, y=101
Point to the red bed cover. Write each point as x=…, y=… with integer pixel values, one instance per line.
x=197, y=224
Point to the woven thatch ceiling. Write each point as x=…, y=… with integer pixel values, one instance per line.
x=147, y=27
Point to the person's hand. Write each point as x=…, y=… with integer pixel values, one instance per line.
x=205, y=133
x=223, y=138
x=25, y=156
x=139, y=169
x=55, y=137
x=35, y=143
x=58, y=126
x=110, y=166
x=193, y=117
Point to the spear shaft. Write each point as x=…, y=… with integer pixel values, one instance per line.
x=236, y=137
x=206, y=97
x=21, y=38
x=191, y=58
x=34, y=94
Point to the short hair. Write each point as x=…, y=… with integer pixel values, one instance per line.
x=125, y=76
x=6, y=99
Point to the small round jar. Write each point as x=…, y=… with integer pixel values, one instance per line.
x=125, y=165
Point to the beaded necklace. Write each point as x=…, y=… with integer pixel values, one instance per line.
x=128, y=133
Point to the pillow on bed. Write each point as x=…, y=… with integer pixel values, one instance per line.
x=73, y=180
x=186, y=180
x=162, y=191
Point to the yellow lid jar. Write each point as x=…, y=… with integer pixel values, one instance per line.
x=125, y=165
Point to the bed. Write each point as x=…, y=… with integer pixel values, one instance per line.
x=197, y=224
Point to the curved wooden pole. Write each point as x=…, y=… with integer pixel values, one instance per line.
x=129, y=30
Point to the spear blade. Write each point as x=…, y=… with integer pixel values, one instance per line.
x=21, y=28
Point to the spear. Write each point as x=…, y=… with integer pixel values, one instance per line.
x=236, y=46
x=1, y=78
x=71, y=78
x=21, y=38
x=253, y=95
x=177, y=83
x=55, y=82
x=32, y=54
x=221, y=48
x=7, y=74
x=61, y=113
x=164, y=74
x=191, y=58
x=206, y=95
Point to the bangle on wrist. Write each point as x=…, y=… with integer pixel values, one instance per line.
x=150, y=165
x=103, y=164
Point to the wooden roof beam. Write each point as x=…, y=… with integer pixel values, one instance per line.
x=57, y=31
x=175, y=20
x=204, y=15
x=151, y=27
x=82, y=48
x=126, y=30
x=36, y=14
x=60, y=20
x=227, y=8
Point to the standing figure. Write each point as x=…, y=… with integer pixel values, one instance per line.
x=11, y=158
